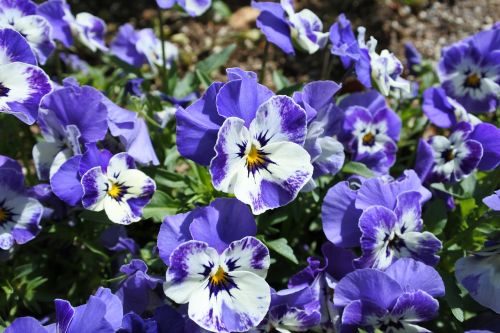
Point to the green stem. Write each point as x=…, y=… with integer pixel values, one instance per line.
x=264, y=63
x=163, y=52
x=325, y=70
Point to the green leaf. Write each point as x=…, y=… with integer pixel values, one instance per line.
x=215, y=61
x=280, y=81
x=281, y=247
x=358, y=169
x=160, y=206
x=453, y=297
x=463, y=190
x=221, y=9
x=288, y=91
x=435, y=216
x=204, y=78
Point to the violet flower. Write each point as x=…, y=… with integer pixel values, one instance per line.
x=396, y=300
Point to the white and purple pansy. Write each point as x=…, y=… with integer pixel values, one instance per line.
x=370, y=130
x=22, y=83
x=451, y=159
x=470, y=71
x=90, y=30
x=263, y=164
x=479, y=274
x=119, y=189
x=192, y=7
x=394, y=301
x=287, y=29
x=21, y=16
x=387, y=235
x=20, y=214
x=226, y=292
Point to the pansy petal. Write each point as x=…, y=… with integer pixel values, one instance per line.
x=90, y=318
x=190, y=266
x=138, y=184
x=64, y=314
x=422, y=246
x=55, y=12
x=173, y=232
x=409, y=211
x=25, y=325
x=414, y=275
x=118, y=164
x=29, y=212
x=195, y=7
x=281, y=182
x=95, y=185
x=6, y=241
x=239, y=311
x=65, y=182
x=488, y=135
x=120, y=211
x=276, y=29
x=14, y=47
x=340, y=216
x=367, y=284
x=44, y=154
x=38, y=34
x=416, y=306
x=362, y=313
x=279, y=119
x=247, y=254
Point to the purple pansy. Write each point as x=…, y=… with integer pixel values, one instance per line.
x=20, y=214
x=21, y=16
x=493, y=201
x=117, y=188
x=287, y=29
x=219, y=224
x=392, y=301
x=413, y=57
x=444, y=111
x=370, y=130
x=58, y=13
x=135, y=292
x=344, y=43
x=469, y=71
x=140, y=47
x=226, y=292
x=345, y=202
x=448, y=159
x=22, y=84
x=387, y=235
x=101, y=314
x=192, y=7
x=324, y=121
x=479, y=274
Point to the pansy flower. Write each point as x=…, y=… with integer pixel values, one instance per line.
x=479, y=274
x=345, y=202
x=470, y=71
x=396, y=300
x=140, y=47
x=58, y=14
x=20, y=214
x=117, y=188
x=192, y=7
x=448, y=159
x=287, y=29
x=263, y=164
x=247, y=124
x=443, y=111
x=226, y=292
x=22, y=83
x=102, y=313
x=387, y=235
x=413, y=57
x=370, y=130
x=21, y=16
x=344, y=43
x=324, y=121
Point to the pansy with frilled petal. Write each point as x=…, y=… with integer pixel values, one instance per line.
x=394, y=301
x=449, y=159
x=22, y=84
x=479, y=274
x=21, y=16
x=371, y=130
x=263, y=164
x=344, y=43
x=469, y=71
x=20, y=214
x=387, y=235
x=226, y=292
x=493, y=201
x=192, y=7
x=119, y=189
x=90, y=30
x=58, y=14
x=287, y=29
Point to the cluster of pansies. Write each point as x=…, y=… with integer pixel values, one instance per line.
x=255, y=159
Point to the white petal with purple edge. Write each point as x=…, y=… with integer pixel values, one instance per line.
x=239, y=311
x=95, y=186
x=196, y=7
x=248, y=254
x=408, y=210
x=119, y=211
x=119, y=163
x=137, y=183
x=189, y=270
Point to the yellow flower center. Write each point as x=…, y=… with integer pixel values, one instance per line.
x=473, y=80
x=219, y=276
x=369, y=139
x=3, y=215
x=254, y=157
x=115, y=190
